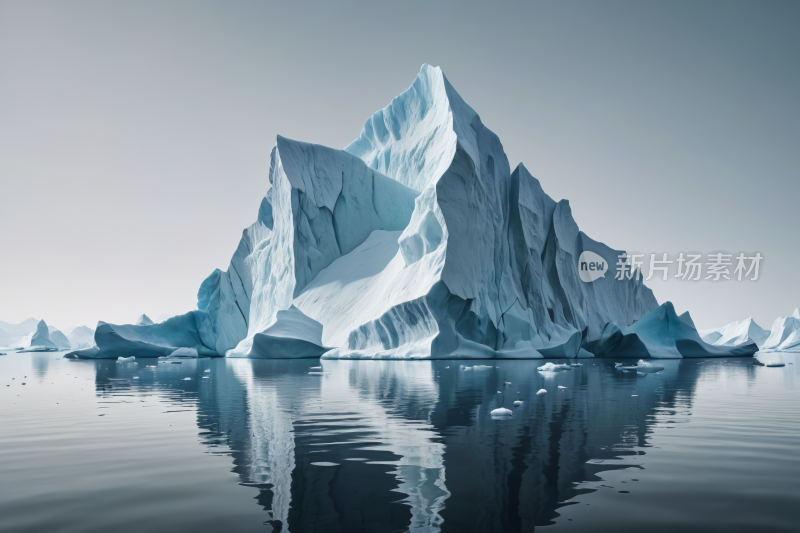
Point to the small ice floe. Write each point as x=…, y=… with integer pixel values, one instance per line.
x=316, y=368
x=517, y=403
x=775, y=365
x=207, y=370
x=644, y=366
x=325, y=463
x=499, y=392
x=205, y=377
x=575, y=364
x=481, y=367
x=507, y=382
x=171, y=362
x=135, y=377
x=561, y=387
x=541, y=392
x=318, y=373
x=550, y=367
x=501, y=412
x=126, y=359
x=187, y=379
x=467, y=368
x=184, y=352
x=356, y=459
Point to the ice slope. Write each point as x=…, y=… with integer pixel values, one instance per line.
x=144, y=320
x=662, y=334
x=740, y=332
x=416, y=241
x=81, y=337
x=784, y=335
x=38, y=340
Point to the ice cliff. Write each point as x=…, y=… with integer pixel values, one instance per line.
x=415, y=241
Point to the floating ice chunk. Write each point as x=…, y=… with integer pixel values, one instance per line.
x=550, y=367
x=775, y=365
x=467, y=368
x=517, y=403
x=541, y=392
x=135, y=377
x=325, y=463
x=207, y=370
x=501, y=412
x=575, y=364
x=561, y=387
x=205, y=377
x=481, y=367
x=644, y=366
x=316, y=368
x=184, y=352
x=126, y=359
x=356, y=459
x=318, y=373
x=187, y=379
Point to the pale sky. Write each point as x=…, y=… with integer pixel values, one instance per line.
x=135, y=136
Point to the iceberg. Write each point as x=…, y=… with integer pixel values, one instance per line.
x=58, y=338
x=416, y=241
x=157, y=340
x=38, y=340
x=740, y=332
x=662, y=334
x=784, y=335
x=144, y=320
x=81, y=337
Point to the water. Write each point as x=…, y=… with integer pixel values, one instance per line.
x=257, y=445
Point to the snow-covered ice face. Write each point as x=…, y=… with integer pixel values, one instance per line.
x=591, y=266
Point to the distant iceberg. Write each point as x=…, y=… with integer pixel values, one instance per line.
x=740, y=332
x=144, y=320
x=38, y=340
x=784, y=335
x=81, y=337
x=662, y=334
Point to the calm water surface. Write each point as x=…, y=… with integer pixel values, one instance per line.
x=259, y=445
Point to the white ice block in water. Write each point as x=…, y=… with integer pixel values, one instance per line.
x=561, y=387
x=551, y=367
x=541, y=392
x=517, y=403
x=126, y=359
x=187, y=379
x=501, y=412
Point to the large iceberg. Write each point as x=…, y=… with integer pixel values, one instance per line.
x=415, y=241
